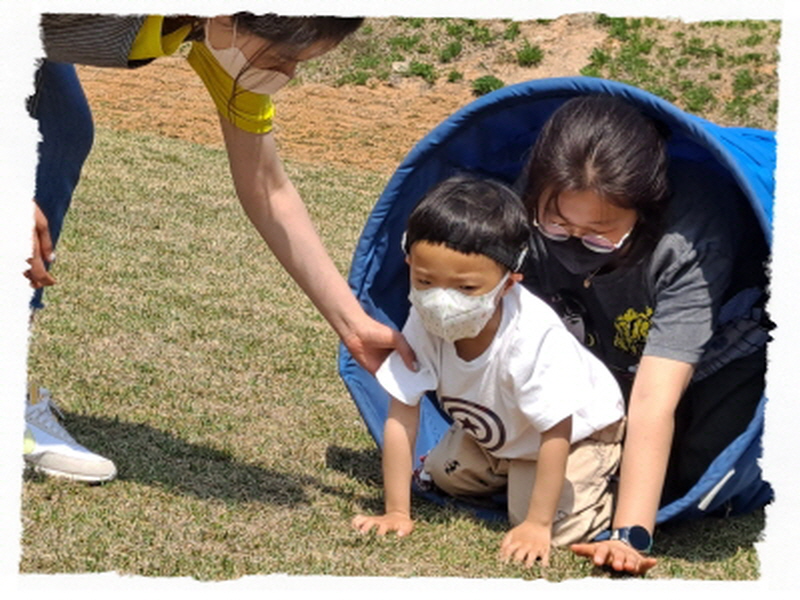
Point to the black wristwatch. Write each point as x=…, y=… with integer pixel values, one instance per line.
x=637, y=537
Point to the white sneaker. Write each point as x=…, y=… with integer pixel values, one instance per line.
x=49, y=448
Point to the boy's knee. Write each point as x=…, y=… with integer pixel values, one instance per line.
x=442, y=470
x=458, y=476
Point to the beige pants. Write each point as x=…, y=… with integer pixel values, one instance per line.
x=462, y=468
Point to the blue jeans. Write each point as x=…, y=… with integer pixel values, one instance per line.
x=67, y=133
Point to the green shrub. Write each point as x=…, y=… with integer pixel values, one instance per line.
x=743, y=81
x=487, y=83
x=739, y=107
x=662, y=92
x=424, y=70
x=481, y=35
x=698, y=98
x=752, y=40
x=618, y=27
x=366, y=61
x=697, y=48
x=599, y=58
x=450, y=51
x=749, y=57
x=404, y=42
x=456, y=30
x=591, y=71
x=353, y=78
x=772, y=109
x=512, y=31
x=454, y=76
x=529, y=56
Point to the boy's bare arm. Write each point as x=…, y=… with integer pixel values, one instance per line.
x=530, y=540
x=399, y=439
x=550, y=469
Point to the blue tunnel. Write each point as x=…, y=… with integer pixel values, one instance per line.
x=492, y=137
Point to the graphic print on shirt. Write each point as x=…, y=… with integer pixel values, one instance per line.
x=478, y=421
x=631, y=329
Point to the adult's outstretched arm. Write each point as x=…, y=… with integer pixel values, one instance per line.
x=275, y=208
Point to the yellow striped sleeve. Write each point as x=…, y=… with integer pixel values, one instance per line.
x=244, y=109
x=149, y=42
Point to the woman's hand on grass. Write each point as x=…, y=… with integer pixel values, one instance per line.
x=42, y=252
x=615, y=554
x=401, y=524
x=527, y=543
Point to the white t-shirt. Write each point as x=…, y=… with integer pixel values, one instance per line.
x=532, y=376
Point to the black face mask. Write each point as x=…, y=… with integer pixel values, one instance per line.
x=576, y=257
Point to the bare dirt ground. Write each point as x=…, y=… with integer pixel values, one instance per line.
x=368, y=127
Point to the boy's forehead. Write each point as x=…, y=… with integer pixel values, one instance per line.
x=439, y=256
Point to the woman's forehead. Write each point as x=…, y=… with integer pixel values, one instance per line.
x=272, y=52
x=587, y=206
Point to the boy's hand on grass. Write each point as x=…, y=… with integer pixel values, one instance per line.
x=615, y=554
x=400, y=523
x=527, y=543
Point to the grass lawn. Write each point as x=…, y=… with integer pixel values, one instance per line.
x=179, y=348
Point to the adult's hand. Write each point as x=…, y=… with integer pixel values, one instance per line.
x=615, y=554
x=42, y=251
x=372, y=343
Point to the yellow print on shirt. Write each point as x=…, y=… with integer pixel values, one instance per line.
x=631, y=330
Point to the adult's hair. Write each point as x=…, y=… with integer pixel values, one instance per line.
x=295, y=32
x=604, y=144
x=288, y=34
x=472, y=216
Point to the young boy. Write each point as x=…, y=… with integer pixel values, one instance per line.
x=533, y=411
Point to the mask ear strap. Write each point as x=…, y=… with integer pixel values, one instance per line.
x=233, y=40
x=521, y=259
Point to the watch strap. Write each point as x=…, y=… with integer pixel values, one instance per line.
x=637, y=537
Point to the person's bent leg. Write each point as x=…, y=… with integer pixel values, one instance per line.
x=586, y=504
x=461, y=468
x=67, y=132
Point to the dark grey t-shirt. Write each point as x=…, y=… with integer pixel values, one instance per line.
x=90, y=39
x=672, y=301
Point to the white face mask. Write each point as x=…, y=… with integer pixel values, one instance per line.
x=258, y=81
x=453, y=315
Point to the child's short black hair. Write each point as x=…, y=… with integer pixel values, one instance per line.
x=472, y=216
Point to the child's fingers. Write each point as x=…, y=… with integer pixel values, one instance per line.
x=543, y=556
x=508, y=546
x=514, y=551
x=381, y=525
x=363, y=523
x=507, y=549
x=525, y=554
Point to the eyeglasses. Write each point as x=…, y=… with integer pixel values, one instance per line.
x=593, y=241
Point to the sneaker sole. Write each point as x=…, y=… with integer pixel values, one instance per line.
x=71, y=476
